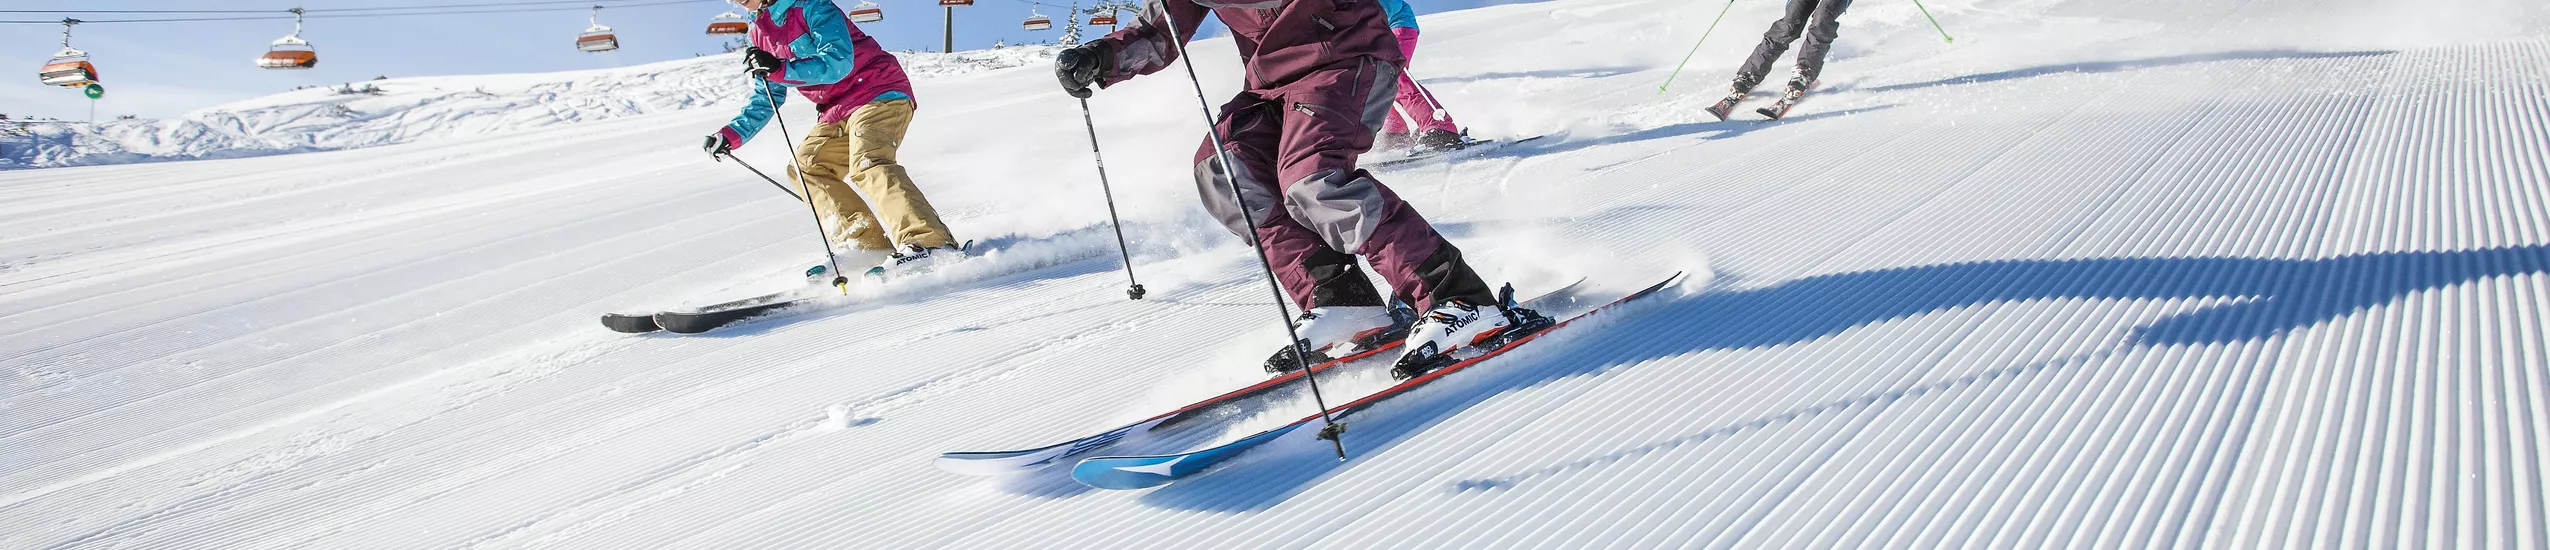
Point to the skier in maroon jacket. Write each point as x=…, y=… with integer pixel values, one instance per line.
x=1321, y=75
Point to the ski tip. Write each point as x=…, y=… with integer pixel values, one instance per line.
x=993, y=464
x=630, y=323
x=1126, y=473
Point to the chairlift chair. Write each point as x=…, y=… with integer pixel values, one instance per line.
x=1108, y=20
x=866, y=12
x=1037, y=21
x=597, y=38
x=69, y=67
x=729, y=23
x=956, y=2
x=290, y=52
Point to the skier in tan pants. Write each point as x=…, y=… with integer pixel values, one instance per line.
x=865, y=104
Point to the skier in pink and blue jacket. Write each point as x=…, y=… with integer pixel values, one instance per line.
x=864, y=104
x=1419, y=119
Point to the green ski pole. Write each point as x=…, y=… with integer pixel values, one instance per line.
x=1934, y=22
x=1695, y=47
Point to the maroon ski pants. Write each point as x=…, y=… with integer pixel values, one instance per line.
x=1294, y=148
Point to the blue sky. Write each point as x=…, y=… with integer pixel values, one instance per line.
x=165, y=69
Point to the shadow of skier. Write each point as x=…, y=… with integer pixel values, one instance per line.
x=2267, y=297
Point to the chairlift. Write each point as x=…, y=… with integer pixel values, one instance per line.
x=1037, y=21
x=597, y=38
x=866, y=12
x=69, y=67
x=290, y=52
x=729, y=23
x=1102, y=19
x=956, y=2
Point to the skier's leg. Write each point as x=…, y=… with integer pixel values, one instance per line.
x=822, y=161
x=1414, y=100
x=1825, y=26
x=1793, y=19
x=1405, y=108
x=1312, y=273
x=1329, y=123
x=876, y=133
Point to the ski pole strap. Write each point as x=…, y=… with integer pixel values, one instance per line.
x=1695, y=47
x=1934, y=22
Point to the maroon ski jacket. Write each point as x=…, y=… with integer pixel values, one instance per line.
x=1280, y=40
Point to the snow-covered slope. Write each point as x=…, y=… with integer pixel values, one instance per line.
x=401, y=110
x=2250, y=274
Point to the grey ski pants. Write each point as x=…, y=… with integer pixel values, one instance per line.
x=1817, y=19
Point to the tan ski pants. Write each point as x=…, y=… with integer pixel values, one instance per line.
x=861, y=150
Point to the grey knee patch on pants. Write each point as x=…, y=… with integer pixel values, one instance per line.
x=1344, y=209
x=1216, y=192
x=1385, y=95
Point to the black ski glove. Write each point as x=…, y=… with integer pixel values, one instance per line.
x=760, y=63
x=1080, y=67
x=716, y=145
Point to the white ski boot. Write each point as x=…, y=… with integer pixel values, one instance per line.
x=1333, y=331
x=913, y=260
x=1455, y=324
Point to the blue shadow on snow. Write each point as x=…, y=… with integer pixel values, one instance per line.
x=2269, y=297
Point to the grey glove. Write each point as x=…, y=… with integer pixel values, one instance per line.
x=1080, y=67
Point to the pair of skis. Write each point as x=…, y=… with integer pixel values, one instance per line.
x=710, y=317
x=1778, y=108
x=1468, y=147
x=1136, y=472
x=706, y=318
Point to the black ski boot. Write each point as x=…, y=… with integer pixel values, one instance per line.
x=1436, y=141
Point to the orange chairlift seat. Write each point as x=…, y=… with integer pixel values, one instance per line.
x=729, y=23
x=290, y=52
x=866, y=12
x=69, y=67
x=1107, y=19
x=597, y=38
x=1037, y=21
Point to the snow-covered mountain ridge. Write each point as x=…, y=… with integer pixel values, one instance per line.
x=402, y=110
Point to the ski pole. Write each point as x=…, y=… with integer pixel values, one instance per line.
x=1330, y=429
x=1695, y=47
x=1934, y=22
x=757, y=172
x=839, y=280
x=1135, y=291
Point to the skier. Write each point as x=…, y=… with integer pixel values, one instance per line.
x=1320, y=76
x=1819, y=21
x=865, y=105
x=1421, y=121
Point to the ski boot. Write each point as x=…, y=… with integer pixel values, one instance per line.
x=1736, y=93
x=1395, y=142
x=1327, y=332
x=1455, y=324
x=1788, y=98
x=821, y=274
x=914, y=259
x=1437, y=141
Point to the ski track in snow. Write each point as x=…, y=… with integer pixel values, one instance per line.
x=2255, y=274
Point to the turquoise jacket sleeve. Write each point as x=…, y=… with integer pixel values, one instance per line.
x=824, y=53
x=766, y=100
x=1401, y=16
